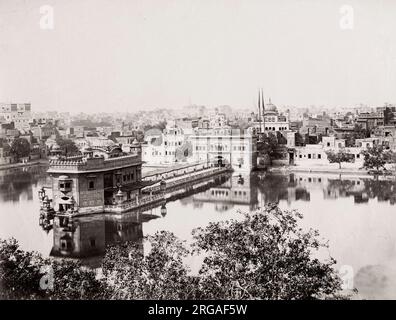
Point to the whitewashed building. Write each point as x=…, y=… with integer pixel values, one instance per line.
x=19, y=113
x=315, y=154
x=165, y=148
x=273, y=119
x=225, y=146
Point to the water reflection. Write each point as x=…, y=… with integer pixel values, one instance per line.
x=88, y=236
x=17, y=184
x=237, y=190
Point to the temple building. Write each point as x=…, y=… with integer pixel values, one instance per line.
x=86, y=183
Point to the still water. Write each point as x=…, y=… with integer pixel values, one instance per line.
x=357, y=215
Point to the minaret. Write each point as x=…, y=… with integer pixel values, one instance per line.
x=259, y=109
x=263, y=109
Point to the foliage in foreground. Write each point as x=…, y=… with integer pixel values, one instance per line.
x=264, y=255
x=27, y=275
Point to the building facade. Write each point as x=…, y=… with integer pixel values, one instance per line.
x=272, y=119
x=19, y=113
x=225, y=146
x=166, y=148
x=87, y=183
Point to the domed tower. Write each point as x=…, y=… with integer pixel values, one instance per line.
x=87, y=152
x=270, y=108
x=55, y=151
x=136, y=147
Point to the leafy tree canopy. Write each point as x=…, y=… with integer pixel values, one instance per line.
x=376, y=157
x=263, y=256
x=67, y=146
x=339, y=157
x=20, y=148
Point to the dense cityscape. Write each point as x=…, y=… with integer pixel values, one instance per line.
x=268, y=135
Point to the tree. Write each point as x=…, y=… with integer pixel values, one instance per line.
x=161, y=274
x=299, y=139
x=27, y=275
x=266, y=255
x=20, y=148
x=71, y=281
x=357, y=133
x=280, y=138
x=375, y=158
x=339, y=157
x=19, y=277
x=67, y=146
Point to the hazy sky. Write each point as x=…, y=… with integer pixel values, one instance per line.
x=105, y=55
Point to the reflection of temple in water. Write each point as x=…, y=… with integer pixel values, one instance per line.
x=87, y=237
x=238, y=190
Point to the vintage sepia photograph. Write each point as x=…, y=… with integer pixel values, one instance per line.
x=197, y=150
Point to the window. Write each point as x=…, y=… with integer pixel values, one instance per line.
x=328, y=144
x=319, y=156
x=92, y=241
x=91, y=185
x=64, y=244
x=309, y=156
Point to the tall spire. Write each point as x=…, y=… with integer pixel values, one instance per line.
x=263, y=109
x=259, y=109
x=259, y=106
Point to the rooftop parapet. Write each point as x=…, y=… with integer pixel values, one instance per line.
x=222, y=132
x=79, y=164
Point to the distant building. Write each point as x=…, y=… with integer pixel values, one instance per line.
x=43, y=131
x=167, y=147
x=315, y=154
x=18, y=113
x=5, y=155
x=370, y=120
x=318, y=126
x=273, y=120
